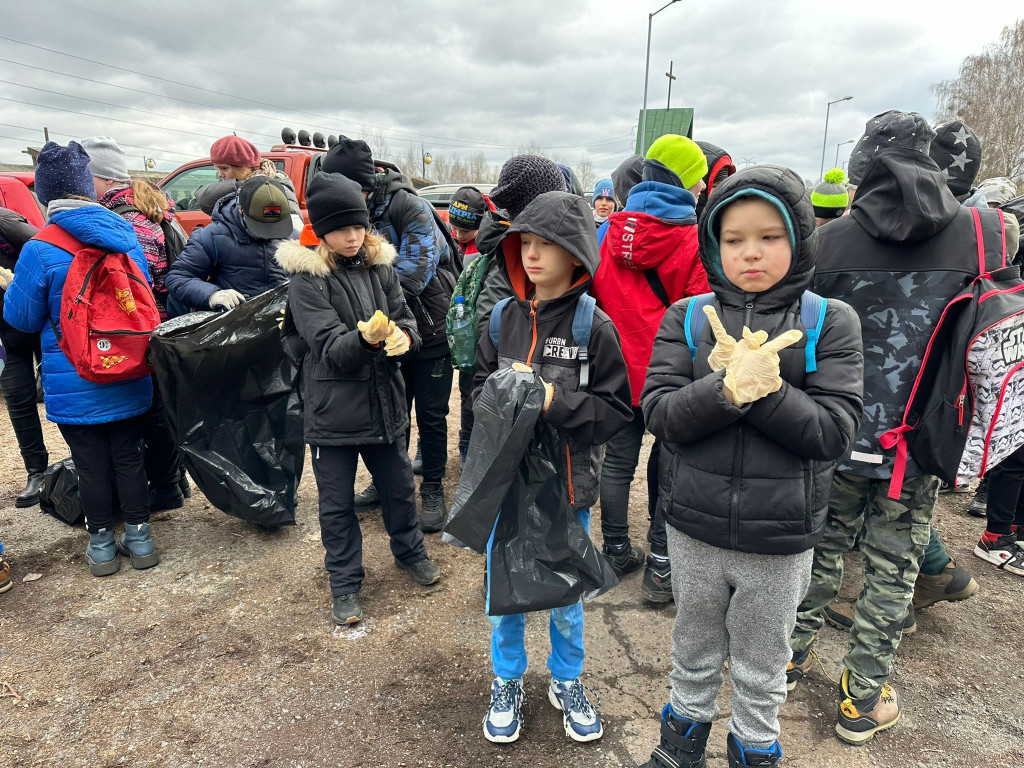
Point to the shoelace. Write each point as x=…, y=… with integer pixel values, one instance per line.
x=578, y=698
x=506, y=695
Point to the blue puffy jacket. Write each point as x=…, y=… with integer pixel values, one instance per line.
x=32, y=303
x=223, y=255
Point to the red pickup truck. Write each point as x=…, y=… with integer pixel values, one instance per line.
x=16, y=195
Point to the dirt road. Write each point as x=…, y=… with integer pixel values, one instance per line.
x=225, y=655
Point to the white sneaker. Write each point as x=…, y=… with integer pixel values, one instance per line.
x=578, y=716
x=504, y=716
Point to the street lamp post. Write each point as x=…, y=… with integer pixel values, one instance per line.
x=647, y=69
x=841, y=144
x=427, y=160
x=824, y=140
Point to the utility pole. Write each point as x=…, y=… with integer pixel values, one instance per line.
x=670, y=77
x=46, y=133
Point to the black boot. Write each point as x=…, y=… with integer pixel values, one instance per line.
x=368, y=499
x=682, y=743
x=432, y=513
x=184, y=486
x=30, y=496
x=417, y=463
x=165, y=498
x=739, y=757
x=624, y=557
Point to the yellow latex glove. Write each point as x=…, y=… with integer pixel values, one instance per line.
x=725, y=345
x=280, y=320
x=376, y=329
x=754, y=373
x=549, y=389
x=397, y=342
x=6, y=276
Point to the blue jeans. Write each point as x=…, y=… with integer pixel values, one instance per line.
x=508, y=635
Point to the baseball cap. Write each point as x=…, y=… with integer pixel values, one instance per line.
x=264, y=207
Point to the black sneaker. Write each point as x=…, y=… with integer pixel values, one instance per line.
x=345, y=609
x=657, y=584
x=367, y=499
x=432, y=510
x=979, y=504
x=424, y=572
x=740, y=755
x=1005, y=552
x=624, y=558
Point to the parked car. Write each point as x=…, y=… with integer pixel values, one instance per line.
x=16, y=194
x=440, y=195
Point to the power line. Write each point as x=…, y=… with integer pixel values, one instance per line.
x=120, y=143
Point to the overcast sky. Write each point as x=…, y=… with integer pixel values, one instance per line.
x=472, y=77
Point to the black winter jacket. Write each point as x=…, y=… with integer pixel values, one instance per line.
x=539, y=333
x=223, y=255
x=754, y=478
x=353, y=394
x=904, y=251
x=427, y=262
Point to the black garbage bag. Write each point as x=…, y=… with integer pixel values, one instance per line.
x=541, y=556
x=59, y=495
x=234, y=409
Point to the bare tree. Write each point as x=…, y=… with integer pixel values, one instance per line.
x=585, y=173
x=410, y=162
x=532, y=147
x=378, y=144
x=988, y=95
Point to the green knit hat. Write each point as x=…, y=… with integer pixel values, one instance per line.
x=681, y=156
x=831, y=197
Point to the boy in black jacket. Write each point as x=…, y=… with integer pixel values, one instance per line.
x=550, y=255
x=750, y=434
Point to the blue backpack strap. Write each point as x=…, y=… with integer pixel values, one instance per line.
x=812, y=315
x=494, y=328
x=582, y=323
x=696, y=320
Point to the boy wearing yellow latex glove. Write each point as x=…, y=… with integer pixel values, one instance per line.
x=749, y=437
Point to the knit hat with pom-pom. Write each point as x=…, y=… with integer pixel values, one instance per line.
x=830, y=197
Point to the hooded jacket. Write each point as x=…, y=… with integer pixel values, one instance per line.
x=32, y=304
x=352, y=393
x=15, y=231
x=223, y=255
x=426, y=264
x=495, y=285
x=539, y=333
x=904, y=251
x=754, y=478
x=657, y=231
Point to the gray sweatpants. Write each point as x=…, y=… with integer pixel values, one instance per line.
x=738, y=606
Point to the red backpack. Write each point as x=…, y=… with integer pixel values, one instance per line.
x=107, y=311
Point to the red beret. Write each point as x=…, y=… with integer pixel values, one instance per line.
x=234, y=150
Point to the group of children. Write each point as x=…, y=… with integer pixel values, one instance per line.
x=707, y=334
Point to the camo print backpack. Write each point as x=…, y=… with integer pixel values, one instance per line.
x=966, y=409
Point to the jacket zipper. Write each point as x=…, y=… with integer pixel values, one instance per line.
x=737, y=461
x=94, y=332
x=568, y=463
x=533, y=344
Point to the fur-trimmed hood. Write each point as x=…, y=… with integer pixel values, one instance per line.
x=297, y=259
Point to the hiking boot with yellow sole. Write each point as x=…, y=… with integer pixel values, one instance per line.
x=798, y=668
x=953, y=584
x=840, y=615
x=860, y=719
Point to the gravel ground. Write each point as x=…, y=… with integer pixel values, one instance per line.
x=225, y=655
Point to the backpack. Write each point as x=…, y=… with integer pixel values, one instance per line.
x=964, y=410
x=175, y=238
x=468, y=287
x=107, y=311
x=812, y=317
x=582, y=323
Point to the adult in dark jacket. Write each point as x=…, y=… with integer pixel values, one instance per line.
x=353, y=395
x=904, y=251
x=745, y=472
x=19, y=375
x=232, y=259
x=428, y=264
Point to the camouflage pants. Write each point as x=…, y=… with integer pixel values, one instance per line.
x=893, y=535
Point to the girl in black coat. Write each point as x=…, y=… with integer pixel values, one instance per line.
x=346, y=326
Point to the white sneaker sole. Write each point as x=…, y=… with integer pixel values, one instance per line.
x=1000, y=560
x=501, y=739
x=568, y=728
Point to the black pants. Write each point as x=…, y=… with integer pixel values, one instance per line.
x=163, y=462
x=1005, y=501
x=18, y=381
x=107, y=456
x=466, y=376
x=335, y=471
x=428, y=384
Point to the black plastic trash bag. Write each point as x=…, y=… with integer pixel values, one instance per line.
x=59, y=495
x=541, y=556
x=231, y=399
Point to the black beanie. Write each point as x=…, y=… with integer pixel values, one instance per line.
x=353, y=160
x=956, y=149
x=883, y=131
x=522, y=178
x=467, y=208
x=334, y=201
x=626, y=176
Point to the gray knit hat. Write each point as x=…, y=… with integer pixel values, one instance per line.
x=522, y=178
x=956, y=149
x=889, y=129
x=106, y=159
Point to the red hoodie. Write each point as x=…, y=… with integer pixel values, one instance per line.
x=638, y=241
